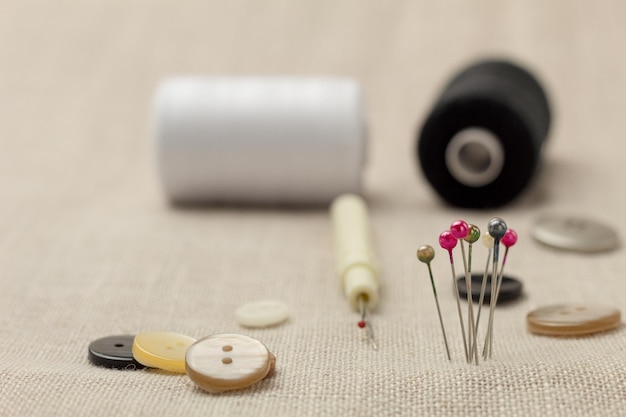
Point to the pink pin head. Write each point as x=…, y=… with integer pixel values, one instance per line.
x=510, y=238
x=447, y=241
x=459, y=229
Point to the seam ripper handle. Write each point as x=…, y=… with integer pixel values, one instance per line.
x=356, y=263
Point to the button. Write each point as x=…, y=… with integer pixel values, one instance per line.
x=573, y=319
x=225, y=362
x=114, y=352
x=510, y=289
x=163, y=350
x=262, y=313
x=575, y=234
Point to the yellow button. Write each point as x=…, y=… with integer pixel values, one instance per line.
x=163, y=350
x=573, y=319
x=228, y=361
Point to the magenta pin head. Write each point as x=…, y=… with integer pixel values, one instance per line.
x=447, y=241
x=510, y=238
x=459, y=229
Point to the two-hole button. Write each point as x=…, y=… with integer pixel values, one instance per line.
x=229, y=361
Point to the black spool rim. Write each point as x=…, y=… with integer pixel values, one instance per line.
x=520, y=156
x=502, y=98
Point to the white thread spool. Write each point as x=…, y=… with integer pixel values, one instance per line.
x=259, y=140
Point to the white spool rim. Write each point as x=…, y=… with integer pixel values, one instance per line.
x=475, y=156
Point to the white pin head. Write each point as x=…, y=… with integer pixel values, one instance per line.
x=488, y=240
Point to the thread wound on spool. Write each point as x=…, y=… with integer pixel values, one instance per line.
x=481, y=144
x=259, y=140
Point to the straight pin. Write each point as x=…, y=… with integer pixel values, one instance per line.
x=472, y=236
x=488, y=242
x=496, y=228
x=426, y=254
x=448, y=242
x=460, y=229
x=509, y=239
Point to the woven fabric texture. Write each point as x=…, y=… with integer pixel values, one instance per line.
x=90, y=248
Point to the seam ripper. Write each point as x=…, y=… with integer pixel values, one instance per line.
x=356, y=264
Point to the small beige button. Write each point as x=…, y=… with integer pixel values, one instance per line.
x=573, y=319
x=229, y=361
x=262, y=313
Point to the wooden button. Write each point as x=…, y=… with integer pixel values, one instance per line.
x=163, y=350
x=573, y=319
x=114, y=352
x=225, y=362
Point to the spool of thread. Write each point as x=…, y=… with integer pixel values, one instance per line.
x=259, y=140
x=481, y=144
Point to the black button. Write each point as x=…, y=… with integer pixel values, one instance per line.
x=510, y=290
x=114, y=352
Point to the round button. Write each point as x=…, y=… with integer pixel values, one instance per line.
x=163, y=350
x=114, y=352
x=262, y=313
x=225, y=362
x=575, y=234
x=510, y=289
x=573, y=319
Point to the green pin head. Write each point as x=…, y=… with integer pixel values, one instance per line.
x=473, y=235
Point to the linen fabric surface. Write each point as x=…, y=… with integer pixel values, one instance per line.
x=90, y=248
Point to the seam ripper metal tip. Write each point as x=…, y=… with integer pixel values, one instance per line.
x=356, y=263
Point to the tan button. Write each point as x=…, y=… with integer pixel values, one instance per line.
x=573, y=319
x=225, y=362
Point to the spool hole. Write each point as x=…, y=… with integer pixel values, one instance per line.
x=474, y=156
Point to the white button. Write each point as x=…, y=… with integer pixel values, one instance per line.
x=574, y=233
x=225, y=362
x=262, y=313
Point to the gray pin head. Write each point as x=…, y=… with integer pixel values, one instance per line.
x=496, y=228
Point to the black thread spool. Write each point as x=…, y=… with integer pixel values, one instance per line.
x=481, y=144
